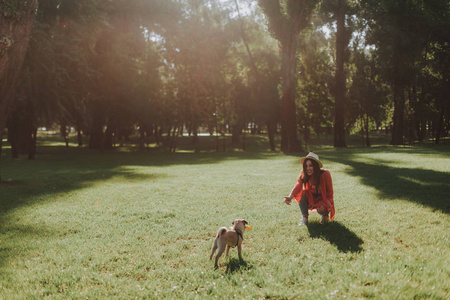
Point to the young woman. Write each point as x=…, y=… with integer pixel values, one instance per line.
x=313, y=190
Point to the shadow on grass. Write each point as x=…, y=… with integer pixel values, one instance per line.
x=337, y=234
x=235, y=264
x=426, y=187
x=58, y=169
x=63, y=178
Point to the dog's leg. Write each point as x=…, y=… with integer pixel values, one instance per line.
x=213, y=249
x=227, y=249
x=219, y=254
x=239, y=249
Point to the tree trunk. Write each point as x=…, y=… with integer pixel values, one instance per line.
x=243, y=140
x=195, y=139
x=366, y=125
x=286, y=22
x=399, y=107
x=22, y=134
x=419, y=126
x=236, y=131
x=156, y=134
x=15, y=28
x=1, y=147
x=289, y=139
x=398, y=93
x=64, y=134
x=440, y=125
x=362, y=131
x=32, y=145
x=79, y=138
x=142, y=138
x=271, y=134
x=96, y=136
x=418, y=114
x=96, y=139
x=108, y=140
x=341, y=45
x=173, y=140
x=307, y=136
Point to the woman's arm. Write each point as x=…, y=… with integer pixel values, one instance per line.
x=329, y=186
x=329, y=193
x=296, y=190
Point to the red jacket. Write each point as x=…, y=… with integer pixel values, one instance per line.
x=326, y=188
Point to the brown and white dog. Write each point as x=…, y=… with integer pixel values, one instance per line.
x=229, y=238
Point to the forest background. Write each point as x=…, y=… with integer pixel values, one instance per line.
x=151, y=71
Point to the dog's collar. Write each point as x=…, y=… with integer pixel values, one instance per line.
x=239, y=234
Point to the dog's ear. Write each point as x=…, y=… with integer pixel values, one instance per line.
x=245, y=222
x=232, y=223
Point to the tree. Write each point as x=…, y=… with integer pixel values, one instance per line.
x=411, y=43
x=342, y=38
x=56, y=77
x=16, y=20
x=197, y=52
x=434, y=77
x=84, y=66
x=315, y=81
x=340, y=12
x=286, y=19
x=367, y=99
x=262, y=76
x=390, y=26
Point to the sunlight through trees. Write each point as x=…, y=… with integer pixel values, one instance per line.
x=152, y=71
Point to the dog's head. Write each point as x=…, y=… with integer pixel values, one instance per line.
x=239, y=224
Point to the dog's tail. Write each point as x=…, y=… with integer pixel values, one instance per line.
x=215, y=243
x=221, y=231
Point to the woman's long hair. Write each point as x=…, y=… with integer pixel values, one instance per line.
x=316, y=173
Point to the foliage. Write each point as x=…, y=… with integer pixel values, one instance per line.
x=316, y=82
x=75, y=64
x=111, y=70
x=402, y=32
x=13, y=8
x=256, y=78
x=367, y=94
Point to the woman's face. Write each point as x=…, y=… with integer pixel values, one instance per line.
x=309, y=167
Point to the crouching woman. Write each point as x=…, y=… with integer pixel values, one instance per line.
x=313, y=190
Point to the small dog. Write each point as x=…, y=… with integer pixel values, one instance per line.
x=229, y=238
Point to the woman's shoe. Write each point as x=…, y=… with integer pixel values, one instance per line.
x=304, y=221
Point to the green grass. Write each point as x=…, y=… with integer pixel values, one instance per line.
x=77, y=223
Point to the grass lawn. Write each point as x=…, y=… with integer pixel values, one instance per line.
x=77, y=223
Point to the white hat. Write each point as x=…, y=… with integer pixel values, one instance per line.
x=312, y=156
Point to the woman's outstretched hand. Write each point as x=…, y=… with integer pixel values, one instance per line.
x=287, y=200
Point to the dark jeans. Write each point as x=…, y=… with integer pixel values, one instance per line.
x=304, y=206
